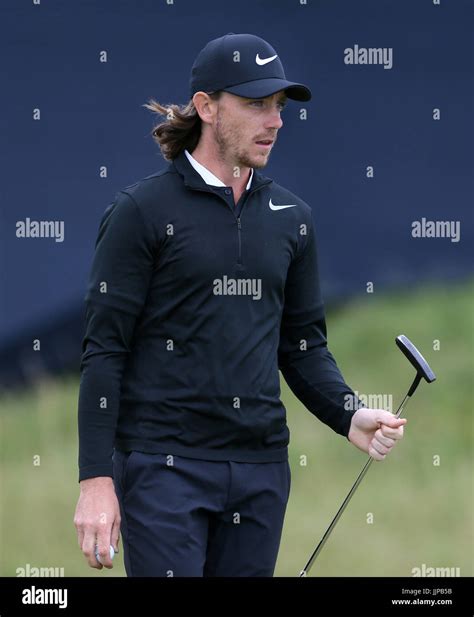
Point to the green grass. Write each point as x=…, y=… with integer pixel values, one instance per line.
x=422, y=512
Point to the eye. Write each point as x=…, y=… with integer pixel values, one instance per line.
x=260, y=103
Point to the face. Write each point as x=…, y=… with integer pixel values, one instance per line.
x=241, y=123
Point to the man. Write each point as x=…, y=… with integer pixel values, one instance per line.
x=204, y=284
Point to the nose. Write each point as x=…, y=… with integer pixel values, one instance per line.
x=274, y=120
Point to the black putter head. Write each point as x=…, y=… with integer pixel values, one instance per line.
x=411, y=352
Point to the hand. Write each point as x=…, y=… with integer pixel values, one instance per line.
x=97, y=520
x=375, y=431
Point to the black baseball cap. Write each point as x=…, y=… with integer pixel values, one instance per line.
x=245, y=65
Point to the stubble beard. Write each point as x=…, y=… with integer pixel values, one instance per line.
x=228, y=148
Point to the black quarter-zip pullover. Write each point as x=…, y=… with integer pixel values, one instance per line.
x=192, y=307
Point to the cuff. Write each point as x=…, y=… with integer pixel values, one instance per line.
x=93, y=471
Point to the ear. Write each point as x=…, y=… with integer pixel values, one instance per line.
x=205, y=106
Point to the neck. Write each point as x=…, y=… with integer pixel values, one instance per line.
x=223, y=169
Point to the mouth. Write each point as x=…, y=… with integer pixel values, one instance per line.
x=265, y=143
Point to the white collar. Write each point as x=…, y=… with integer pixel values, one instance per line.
x=208, y=176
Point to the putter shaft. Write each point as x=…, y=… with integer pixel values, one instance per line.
x=361, y=475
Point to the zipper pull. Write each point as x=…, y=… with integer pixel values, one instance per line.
x=238, y=222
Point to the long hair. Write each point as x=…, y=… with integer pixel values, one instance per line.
x=182, y=128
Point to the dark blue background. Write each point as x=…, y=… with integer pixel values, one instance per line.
x=92, y=115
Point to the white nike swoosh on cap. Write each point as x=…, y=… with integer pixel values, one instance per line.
x=262, y=61
x=273, y=207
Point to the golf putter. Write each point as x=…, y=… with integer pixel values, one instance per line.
x=422, y=370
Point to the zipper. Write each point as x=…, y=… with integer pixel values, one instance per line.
x=239, y=227
x=237, y=218
x=239, y=224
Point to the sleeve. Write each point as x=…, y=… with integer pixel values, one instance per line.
x=304, y=359
x=118, y=285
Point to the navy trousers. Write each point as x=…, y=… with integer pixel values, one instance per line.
x=190, y=517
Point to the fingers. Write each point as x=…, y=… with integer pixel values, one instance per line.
x=379, y=450
x=375, y=454
x=86, y=540
x=388, y=419
x=88, y=548
x=80, y=536
x=390, y=432
x=105, y=539
x=115, y=535
x=388, y=442
x=103, y=549
x=384, y=439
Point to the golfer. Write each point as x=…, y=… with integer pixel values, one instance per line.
x=204, y=284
